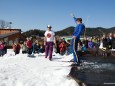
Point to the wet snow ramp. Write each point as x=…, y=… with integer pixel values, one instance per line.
x=96, y=71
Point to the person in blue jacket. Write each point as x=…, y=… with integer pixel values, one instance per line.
x=76, y=37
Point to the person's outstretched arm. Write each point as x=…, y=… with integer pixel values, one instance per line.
x=74, y=17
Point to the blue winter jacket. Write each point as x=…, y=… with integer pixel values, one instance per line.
x=78, y=29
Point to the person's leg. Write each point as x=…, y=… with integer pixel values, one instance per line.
x=15, y=52
x=38, y=51
x=78, y=56
x=22, y=52
x=46, y=49
x=33, y=49
x=18, y=51
x=74, y=50
x=0, y=53
x=61, y=53
x=50, y=50
x=29, y=51
x=5, y=50
x=66, y=52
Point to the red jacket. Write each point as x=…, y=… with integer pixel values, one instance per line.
x=62, y=47
x=16, y=47
x=29, y=44
x=1, y=46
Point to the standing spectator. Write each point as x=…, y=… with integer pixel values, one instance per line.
x=90, y=44
x=49, y=41
x=5, y=48
x=98, y=41
x=113, y=42
x=104, y=41
x=29, y=46
x=24, y=48
x=1, y=48
x=109, y=41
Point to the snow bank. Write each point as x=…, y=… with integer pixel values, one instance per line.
x=21, y=70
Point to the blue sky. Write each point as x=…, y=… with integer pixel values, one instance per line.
x=30, y=14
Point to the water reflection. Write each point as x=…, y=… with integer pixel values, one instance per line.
x=97, y=67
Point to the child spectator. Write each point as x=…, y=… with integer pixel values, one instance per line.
x=34, y=47
x=83, y=48
x=41, y=49
x=62, y=47
x=1, y=49
x=68, y=47
x=16, y=48
x=90, y=44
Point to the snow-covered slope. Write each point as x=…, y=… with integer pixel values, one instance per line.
x=21, y=70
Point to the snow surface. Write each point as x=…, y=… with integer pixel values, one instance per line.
x=21, y=70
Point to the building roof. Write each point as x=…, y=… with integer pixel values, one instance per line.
x=8, y=34
x=10, y=29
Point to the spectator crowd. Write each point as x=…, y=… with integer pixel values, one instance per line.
x=62, y=46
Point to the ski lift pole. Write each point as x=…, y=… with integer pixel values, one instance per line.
x=85, y=27
x=101, y=31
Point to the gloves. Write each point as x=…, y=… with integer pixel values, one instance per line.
x=72, y=15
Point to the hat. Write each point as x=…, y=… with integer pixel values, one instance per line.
x=49, y=26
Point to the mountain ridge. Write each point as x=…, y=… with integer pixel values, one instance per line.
x=97, y=31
